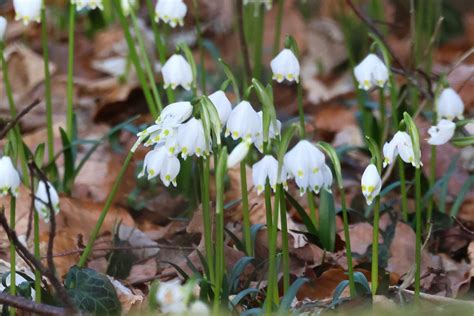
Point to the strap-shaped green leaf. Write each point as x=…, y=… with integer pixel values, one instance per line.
x=415, y=137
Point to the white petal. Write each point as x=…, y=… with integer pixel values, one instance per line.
x=450, y=104
x=171, y=12
x=243, y=122
x=441, y=133
x=285, y=66
x=371, y=183
x=9, y=177
x=222, y=104
x=42, y=201
x=238, y=154
x=177, y=72
x=170, y=170
x=27, y=10
x=174, y=114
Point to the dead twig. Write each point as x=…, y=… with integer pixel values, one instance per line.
x=15, y=121
x=27, y=305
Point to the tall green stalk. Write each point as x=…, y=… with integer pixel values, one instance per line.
x=12, y=252
x=418, y=233
x=103, y=214
x=201, y=46
x=245, y=209
x=37, y=254
x=375, y=247
x=70, y=73
x=47, y=84
x=280, y=195
x=258, y=43
x=206, y=216
x=272, y=287
x=276, y=41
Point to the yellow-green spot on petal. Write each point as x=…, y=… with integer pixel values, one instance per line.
x=184, y=150
x=300, y=173
x=316, y=170
x=168, y=177
x=279, y=77
x=235, y=134
x=151, y=172
x=364, y=188
x=370, y=188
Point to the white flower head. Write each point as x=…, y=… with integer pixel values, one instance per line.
x=371, y=72
x=238, y=154
x=88, y=4
x=42, y=202
x=3, y=28
x=285, y=66
x=243, y=122
x=159, y=162
x=9, y=177
x=267, y=168
x=177, y=72
x=304, y=161
x=327, y=177
x=171, y=12
x=27, y=10
x=222, y=104
x=171, y=297
x=199, y=308
x=192, y=140
x=441, y=133
x=273, y=131
x=450, y=105
x=402, y=145
x=371, y=183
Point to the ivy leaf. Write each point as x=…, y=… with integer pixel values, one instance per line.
x=92, y=292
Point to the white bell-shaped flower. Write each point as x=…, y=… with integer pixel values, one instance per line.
x=9, y=177
x=273, y=131
x=371, y=183
x=243, y=122
x=222, y=104
x=177, y=72
x=316, y=181
x=42, y=201
x=3, y=28
x=171, y=12
x=27, y=10
x=159, y=162
x=171, y=296
x=192, y=140
x=402, y=145
x=267, y=168
x=327, y=177
x=89, y=4
x=174, y=114
x=441, y=133
x=285, y=66
x=450, y=105
x=303, y=162
x=238, y=154
x=371, y=72
x=199, y=308
x=127, y=6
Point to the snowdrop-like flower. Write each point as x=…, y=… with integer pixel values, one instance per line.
x=19, y=280
x=128, y=5
x=159, y=162
x=222, y=104
x=267, y=168
x=9, y=177
x=199, y=308
x=192, y=140
x=371, y=183
x=27, y=10
x=243, y=122
x=441, y=133
x=285, y=66
x=42, y=200
x=238, y=154
x=304, y=162
x=88, y=4
x=272, y=132
x=177, y=72
x=3, y=28
x=327, y=177
x=171, y=12
x=371, y=72
x=172, y=298
x=450, y=105
x=402, y=145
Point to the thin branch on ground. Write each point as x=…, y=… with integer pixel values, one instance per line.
x=15, y=121
x=27, y=305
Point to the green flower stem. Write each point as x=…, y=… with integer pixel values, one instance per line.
x=276, y=41
x=312, y=208
x=13, y=113
x=70, y=72
x=272, y=287
x=258, y=43
x=12, y=252
x=160, y=45
x=146, y=62
x=47, y=84
x=375, y=247
x=432, y=180
x=403, y=189
x=301, y=110
x=383, y=116
x=280, y=194
x=245, y=209
x=201, y=46
x=347, y=238
x=37, y=254
x=103, y=214
x=206, y=216
x=418, y=233
x=136, y=62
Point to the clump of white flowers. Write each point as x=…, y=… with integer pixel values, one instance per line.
x=402, y=145
x=243, y=123
x=171, y=12
x=450, y=105
x=88, y=4
x=371, y=72
x=285, y=66
x=177, y=72
x=27, y=10
x=43, y=200
x=9, y=177
x=371, y=183
x=174, y=299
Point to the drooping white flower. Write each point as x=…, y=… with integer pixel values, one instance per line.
x=267, y=168
x=171, y=12
x=128, y=5
x=327, y=177
x=9, y=177
x=273, y=131
x=285, y=66
x=159, y=162
x=42, y=202
x=192, y=140
x=19, y=280
x=441, y=133
x=450, y=105
x=3, y=28
x=222, y=104
x=371, y=72
x=238, y=154
x=402, y=145
x=304, y=162
x=88, y=4
x=243, y=122
x=27, y=10
x=175, y=113
x=199, y=308
x=171, y=297
x=177, y=72
x=371, y=183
